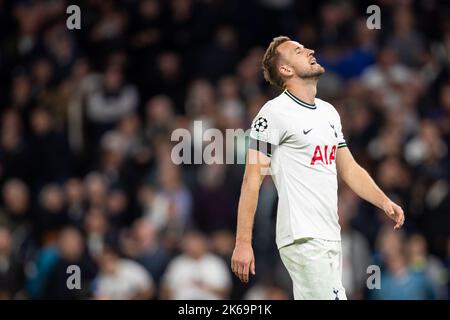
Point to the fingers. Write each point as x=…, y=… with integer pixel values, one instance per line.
x=390, y=212
x=238, y=269
x=399, y=223
x=252, y=267
x=395, y=212
x=400, y=217
x=233, y=266
x=243, y=262
x=241, y=270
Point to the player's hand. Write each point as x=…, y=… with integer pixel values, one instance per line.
x=243, y=261
x=395, y=212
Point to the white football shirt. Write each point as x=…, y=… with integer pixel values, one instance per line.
x=129, y=279
x=187, y=277
x=302, y=140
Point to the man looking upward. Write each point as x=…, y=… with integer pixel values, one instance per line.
x=299, y=138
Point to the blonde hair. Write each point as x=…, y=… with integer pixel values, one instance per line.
x=270, y=62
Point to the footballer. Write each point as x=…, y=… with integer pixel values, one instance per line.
x=299, y=138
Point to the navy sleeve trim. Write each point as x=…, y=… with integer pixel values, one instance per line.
x=261, y=146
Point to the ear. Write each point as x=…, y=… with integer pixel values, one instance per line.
x=285, y=70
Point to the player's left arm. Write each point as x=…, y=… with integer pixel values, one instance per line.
x=359, y=180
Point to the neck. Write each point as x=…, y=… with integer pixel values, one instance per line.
x=303, y=89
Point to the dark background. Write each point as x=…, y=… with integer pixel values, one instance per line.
x=86, y=118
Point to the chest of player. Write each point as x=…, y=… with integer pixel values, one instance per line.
x=314, y=136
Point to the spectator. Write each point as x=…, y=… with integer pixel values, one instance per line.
x=16, y=204
x=74, y=194
x=116, y=208
x=423, y=262
x=230, y=104
x=196, y=274
x=13, y=148
x=121, y=279
x=400, y=283
x=49, y=149
x=388, y=244
x=128, y=130
x=142, y=245
x=221, y=56
x=71, y=248
x=387, y=78
x=12, y=277
x=42, y=74
x=112, y=102
x=159, y=116
x=427, y=148
x=119, y=171
x=98, y=231
x=170, y=206
x=21, y=96
x=169, y=78
x=61, y=49
x=201, y=105
x=442, y=114
x=96, y=188
x=405, y=39
x=212, y=190
x=149, y=24
x=52, y=213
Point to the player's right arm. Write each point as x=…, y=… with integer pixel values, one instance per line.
x=243, y=260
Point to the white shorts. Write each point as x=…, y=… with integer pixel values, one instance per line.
x=315, y=266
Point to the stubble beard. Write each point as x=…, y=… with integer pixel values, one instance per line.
x=312, y=74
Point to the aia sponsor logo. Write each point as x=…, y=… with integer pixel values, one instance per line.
x=324, y=154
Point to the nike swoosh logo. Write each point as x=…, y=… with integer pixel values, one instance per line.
x=306, y=132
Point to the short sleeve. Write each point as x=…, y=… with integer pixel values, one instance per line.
x=341, y=139
x=266, y=131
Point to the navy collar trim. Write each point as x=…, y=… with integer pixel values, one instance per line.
x=300, y=102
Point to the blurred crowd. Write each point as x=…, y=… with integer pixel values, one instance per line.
x=86, y=175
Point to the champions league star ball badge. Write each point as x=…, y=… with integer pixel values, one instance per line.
x=260, y=124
